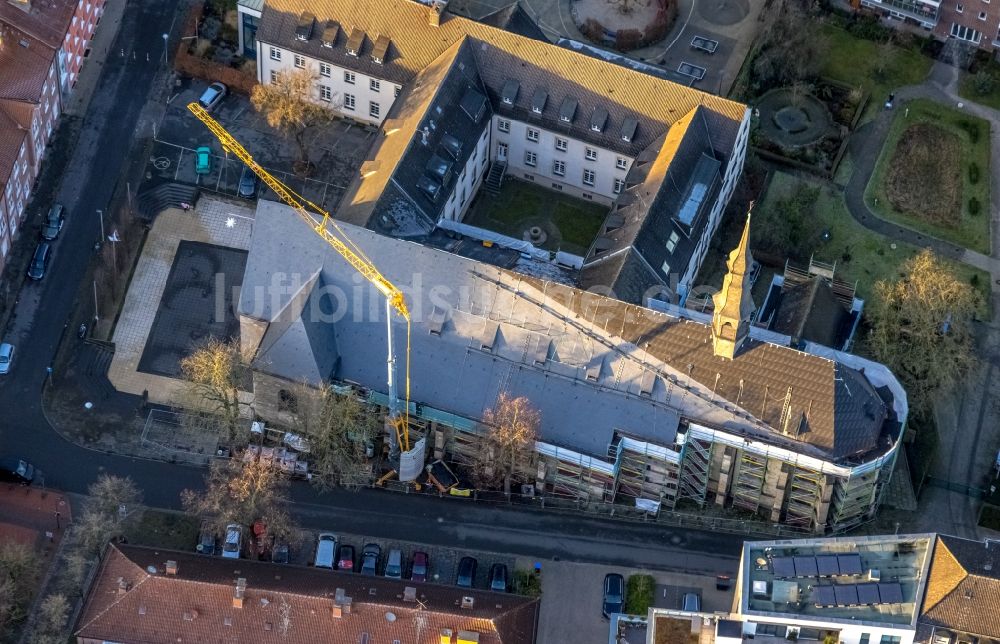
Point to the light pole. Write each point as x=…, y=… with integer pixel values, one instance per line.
x=100, y=217
x=166, y=59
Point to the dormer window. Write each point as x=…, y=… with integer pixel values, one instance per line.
x=538, y=101
x=598, y=119
x=629, y=126
x=509, y=92
x=355, y=42
x=568, y=110
x=381, y=49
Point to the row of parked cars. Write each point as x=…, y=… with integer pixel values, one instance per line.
x=614, y=597
x=332, y=555
x=210, y=99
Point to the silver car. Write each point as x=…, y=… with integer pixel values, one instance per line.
x=212, y=96
x=234, y=541
x=6, y=357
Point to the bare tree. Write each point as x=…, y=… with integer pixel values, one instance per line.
x=50, y=623
x=17, y=571
x=214, y=373
x=111, y=507
x=339, y=428
x=289, y=104
x=511, y=428
x=242, y=493
x=922, y=326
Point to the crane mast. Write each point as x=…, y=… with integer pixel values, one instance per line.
x=326, y=227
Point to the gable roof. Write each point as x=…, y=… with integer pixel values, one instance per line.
x=44, y=20
x=128, y=603
x=963, y=587
x=515, y=19
x=811, y=311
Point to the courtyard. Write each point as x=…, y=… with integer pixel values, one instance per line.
x=933, y=174
x=567, y=224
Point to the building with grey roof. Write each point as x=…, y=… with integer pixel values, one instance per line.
x=635, y=403
x=462, y=101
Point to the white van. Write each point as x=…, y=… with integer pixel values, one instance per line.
x=326, y=550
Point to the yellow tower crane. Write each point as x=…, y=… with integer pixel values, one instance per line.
x=326, y=227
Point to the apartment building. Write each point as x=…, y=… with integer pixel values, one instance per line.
x=975, y=22
x=42, y=48
x=458, y=100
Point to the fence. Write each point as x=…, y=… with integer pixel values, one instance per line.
x=169, y=436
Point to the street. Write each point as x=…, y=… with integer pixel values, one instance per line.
x=112, y=120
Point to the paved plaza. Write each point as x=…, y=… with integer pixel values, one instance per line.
x=212, y=221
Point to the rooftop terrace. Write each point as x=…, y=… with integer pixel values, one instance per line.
x=874, y=580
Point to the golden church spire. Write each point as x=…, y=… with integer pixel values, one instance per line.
x=734, y=303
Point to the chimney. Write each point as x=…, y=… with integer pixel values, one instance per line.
x=336, y=611
x=171, y=567
x=468, y=602
x=123, y=586
x=190, y=615
x=241, y=589
x=434, y=12
x=446, y=634
x=409, y=594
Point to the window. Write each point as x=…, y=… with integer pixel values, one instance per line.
x=324, y=70
x=588, y=177
x=559, y=167
x=959, y=8
x=561, y=144
x=621, y=163
x=274, y=77
x=557, y=186
x=865, y=638
x=532, y=134
x=619, y=184
x=591, y=154
x=300, y=62
x=891, y=639
x=325, y=94
x=275, y=53
x=349, y=102
x=530, y=158
x=503, y=125
x=374, y=109
x=375, y=84
x=982, y=15
x=666, y=269
x=672, y=241
x=349, y=78
x=395, y=91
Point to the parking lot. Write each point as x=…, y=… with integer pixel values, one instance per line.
x=336, y=151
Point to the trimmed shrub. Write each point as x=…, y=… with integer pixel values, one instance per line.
x=973, y=173
x=971, y=128
x=974, y=206
x=639, y=594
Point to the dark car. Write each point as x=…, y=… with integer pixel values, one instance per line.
x=39, y=261
x=345, y=558
x=248, y=183
x=466, y=572
x=419, y=570
x=498, y=578
x=369, y=559
x=53, y=222
x=614, y=594
x=207, y=541
x=17, y=470
x=280, y=554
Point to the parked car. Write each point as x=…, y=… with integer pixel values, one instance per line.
x=394, y=564
x=280, y=554
x=40, y=261
x=345, y=560
x=326, y=548
x=418, y=572
x=466, y=572
x=203, y=160
x=691, y=602
x=369, y=559
x=498, y=578
x=614, y=594
x=248, y=183
x=213, y=95
x=207, y=541
x=16, y=470
x=53, y=222
x=233, y=546
x=6, y=357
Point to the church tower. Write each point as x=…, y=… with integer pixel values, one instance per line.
x=734, y=303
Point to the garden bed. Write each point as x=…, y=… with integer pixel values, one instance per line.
x=933, y=174
x=212, y=54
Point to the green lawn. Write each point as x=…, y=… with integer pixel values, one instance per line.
x=170, y=530
x=855, y=62
x=570, y=224
x=967, y=86
x=971, y=230
x=862, y=256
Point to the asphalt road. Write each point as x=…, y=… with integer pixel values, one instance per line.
x=45, y=307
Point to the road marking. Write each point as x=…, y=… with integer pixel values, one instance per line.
x=178, y=168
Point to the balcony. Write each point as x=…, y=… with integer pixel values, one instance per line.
x=923, y=11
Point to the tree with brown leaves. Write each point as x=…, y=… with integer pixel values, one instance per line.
x=289, y=105
x=242, y=493
x=510, y=431
x=214, y=373
x=922, y=327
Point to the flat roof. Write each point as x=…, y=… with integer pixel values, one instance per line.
x=869, y=580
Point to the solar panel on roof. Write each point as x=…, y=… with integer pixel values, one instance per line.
x=823, y=596
x=509, y=92
x=846, y=594
x=451, y=145
x=827, y=565
x=805, y=566
x=891, y=593
x=849, y=564
x=868, y=594
x=439, y=168
x=473, y=103
x=429, y=187
x=783, y=567
x=538, y=100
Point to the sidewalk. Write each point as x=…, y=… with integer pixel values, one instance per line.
x=100, y=45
